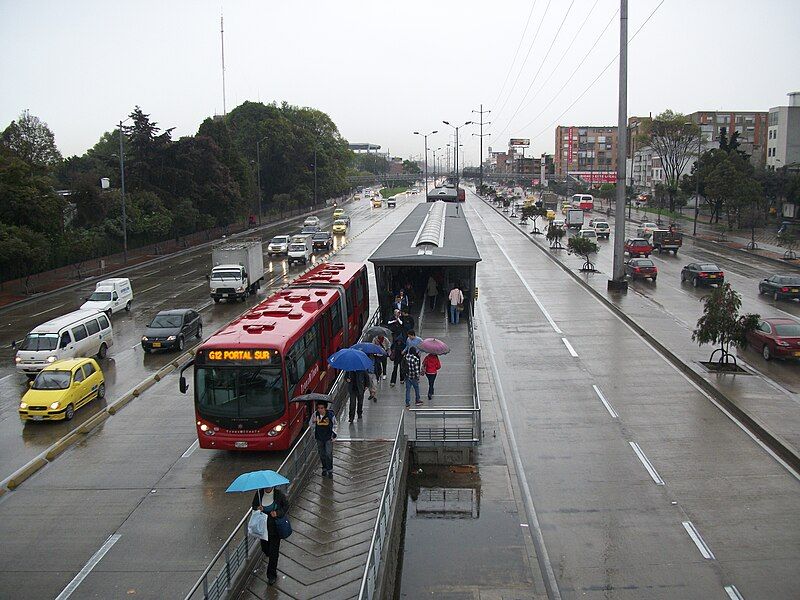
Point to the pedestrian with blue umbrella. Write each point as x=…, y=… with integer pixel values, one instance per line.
x=268, y=499
x=356, y=364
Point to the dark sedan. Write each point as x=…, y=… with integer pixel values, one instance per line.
x=776, y=337
x=322, y=240
x=702, y=274
x=780, y=286
x=170, y=329
x=641, y=268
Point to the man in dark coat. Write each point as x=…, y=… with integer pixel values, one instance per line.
x=273, y=502
x=357, y=383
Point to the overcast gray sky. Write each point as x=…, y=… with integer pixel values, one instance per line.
x=384, y=69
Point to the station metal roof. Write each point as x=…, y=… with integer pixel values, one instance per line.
x=405, y=245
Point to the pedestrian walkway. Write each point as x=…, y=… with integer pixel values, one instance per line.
x=333, y=520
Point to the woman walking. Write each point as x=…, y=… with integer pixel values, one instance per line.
x=273, y=502
x=430, y=366
x=398, y=346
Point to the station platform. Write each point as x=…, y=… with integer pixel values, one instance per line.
x=333, y=520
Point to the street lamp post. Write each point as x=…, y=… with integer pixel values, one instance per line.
x=425, y=137
x=434, y=164
x=258, y=173
x=456, y=147
x=122, y=191
x=315, y=176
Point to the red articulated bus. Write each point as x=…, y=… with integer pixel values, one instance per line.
x=246, y=373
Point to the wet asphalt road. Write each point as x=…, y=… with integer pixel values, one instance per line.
x=139, y=474
x=625, y=459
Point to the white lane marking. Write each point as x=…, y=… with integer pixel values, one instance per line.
x=605, y=402
x=183, y=262
x=698, y=540
x=7, y=377
x=152, y=287
x=522, y=279
x=569, y=347
x=150, y=273
x=48, y=310
x=733, y=593
x=87, y=568
x=190, y=272
x=194, y=287
x=647, y=464
x=190, y=450
x=206, y=305
x=536, y=531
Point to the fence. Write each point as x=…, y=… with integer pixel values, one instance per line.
x=383, y=522
x=452, y=425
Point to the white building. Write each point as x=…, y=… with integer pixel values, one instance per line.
x=783, y=135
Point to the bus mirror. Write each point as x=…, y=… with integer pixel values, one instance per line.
x=183, y=385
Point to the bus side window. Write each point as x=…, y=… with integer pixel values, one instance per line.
x=296, y=362
x=350, y=305
x=336, y=318
x=359, y=291
x=312, y=346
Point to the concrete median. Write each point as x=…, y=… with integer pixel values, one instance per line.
x=25, y=472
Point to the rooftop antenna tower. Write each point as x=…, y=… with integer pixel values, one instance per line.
x=222, y=42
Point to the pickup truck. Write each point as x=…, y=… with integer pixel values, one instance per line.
x=667, y=239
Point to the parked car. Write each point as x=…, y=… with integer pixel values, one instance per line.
x=170, y=329
x=309, y=230
x=776, y=337
x=780, y=286
x=340, y=226
x=62, y=388
x=278, y=245
x=602, y=228
x=589, y=234
x=311, y=221
x=638, y=247
x=641, y=268
x=702, y=274
x=322, y=240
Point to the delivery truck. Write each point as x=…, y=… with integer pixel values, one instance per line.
x=237, y=269
x=575, y=218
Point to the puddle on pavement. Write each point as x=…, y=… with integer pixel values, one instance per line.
x=453, y=543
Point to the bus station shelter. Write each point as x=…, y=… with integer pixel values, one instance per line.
x=434, y=240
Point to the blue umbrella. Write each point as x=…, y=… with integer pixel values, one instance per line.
x=256, y=480
x=348, y=359
x=368, y=348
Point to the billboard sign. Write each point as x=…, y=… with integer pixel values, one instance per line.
x=569, y=145
x=519, y=143
x=596, y=176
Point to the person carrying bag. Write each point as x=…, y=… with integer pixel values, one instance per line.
x=273, y=504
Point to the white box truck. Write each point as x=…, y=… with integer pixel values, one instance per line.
x=237, y=269
x=575, y=218
x=110, y=296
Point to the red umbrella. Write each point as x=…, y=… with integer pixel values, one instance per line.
x=433, y=346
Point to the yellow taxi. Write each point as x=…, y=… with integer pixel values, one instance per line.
x=61, y=388
x=551, y=214
x=339, y=226
x=377, y=202
x=338, y=212
x=565, y=206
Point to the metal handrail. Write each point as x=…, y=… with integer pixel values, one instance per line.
x=378, y=532
x=235, y=559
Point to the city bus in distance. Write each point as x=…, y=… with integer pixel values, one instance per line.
x=247, y=372
x=583, y=201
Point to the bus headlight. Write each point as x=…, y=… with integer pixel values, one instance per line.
x=276, y=430
x=203, y=427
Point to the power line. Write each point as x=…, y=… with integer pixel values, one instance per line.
x=541, y=64
x=613, y=60
x=524, y=62
x=516, y=53
x=563, y=56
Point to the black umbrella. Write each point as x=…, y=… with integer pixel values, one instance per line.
x=376, y=330
x=313, y=397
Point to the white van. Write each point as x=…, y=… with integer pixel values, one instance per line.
x=110, y=296
x=82, y=333
x=300, y=249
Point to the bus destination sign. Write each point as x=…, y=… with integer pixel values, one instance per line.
x=242, y=355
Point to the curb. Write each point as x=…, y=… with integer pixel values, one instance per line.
x=59, y=446
x=773, y=441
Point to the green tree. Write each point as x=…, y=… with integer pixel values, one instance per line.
x=554, y=235
x=583, y=247
x=27, y=198
x=675, y=142
x=411, y=167
x=721, y=324
x=23, y=252
x=31, y=140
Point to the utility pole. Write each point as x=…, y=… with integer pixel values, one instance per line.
x=222, y=42
x=618, y=281
x=315, y=176
x=481, y=112
x=122, y=188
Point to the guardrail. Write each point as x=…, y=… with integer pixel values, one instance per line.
x=232, y=558
x=452, y=425
x=383, y=521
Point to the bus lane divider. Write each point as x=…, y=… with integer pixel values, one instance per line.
x=80, y=433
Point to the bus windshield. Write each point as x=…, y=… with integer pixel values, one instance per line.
x=240, y=392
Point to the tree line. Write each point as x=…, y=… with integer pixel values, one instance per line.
x=54, y=211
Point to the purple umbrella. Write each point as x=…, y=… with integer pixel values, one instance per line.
x=433, y=346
